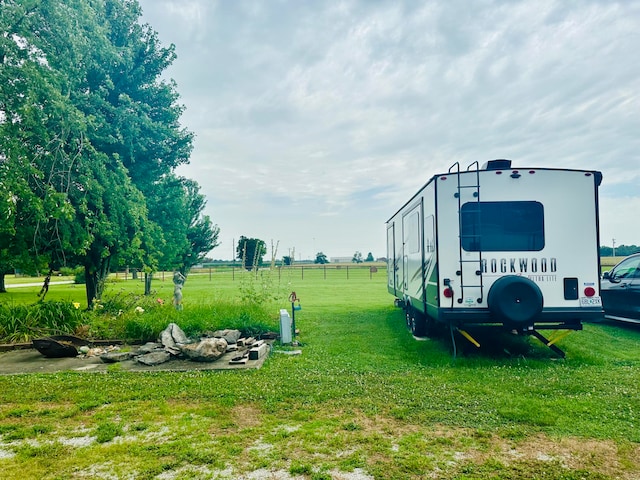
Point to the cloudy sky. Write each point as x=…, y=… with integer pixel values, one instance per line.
x=316, y=120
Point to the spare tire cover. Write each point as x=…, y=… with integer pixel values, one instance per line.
x=515, y=299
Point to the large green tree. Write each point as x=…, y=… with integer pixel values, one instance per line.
x=88, y=130
x=178, y=209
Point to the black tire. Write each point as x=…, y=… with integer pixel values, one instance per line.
x=418, y=324
x=515, y=300
x=429, y=326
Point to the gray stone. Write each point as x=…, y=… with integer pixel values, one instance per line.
x=231, y=336
x=154, y=358
x=207, y=350
x=114, y=357
x=148, y=348
x=172, y=338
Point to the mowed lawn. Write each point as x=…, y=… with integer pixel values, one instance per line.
x=364, y=400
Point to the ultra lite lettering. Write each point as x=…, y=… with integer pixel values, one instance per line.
x=519, y=265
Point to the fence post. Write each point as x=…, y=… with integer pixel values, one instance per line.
x=347, y=272
x=324, y=267
x=302, y=270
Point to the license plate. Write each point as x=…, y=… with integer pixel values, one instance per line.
x=590, y=302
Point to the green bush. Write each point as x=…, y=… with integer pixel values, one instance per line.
x=69, y=271
x=79, y=276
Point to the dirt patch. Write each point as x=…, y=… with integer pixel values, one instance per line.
x=246, y=416
x=463, y=445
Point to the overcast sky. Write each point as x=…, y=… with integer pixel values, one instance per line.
x=316, y=120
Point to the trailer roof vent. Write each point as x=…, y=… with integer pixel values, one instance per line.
x=500, y=164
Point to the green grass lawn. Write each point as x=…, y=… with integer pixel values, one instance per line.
x=364, y=400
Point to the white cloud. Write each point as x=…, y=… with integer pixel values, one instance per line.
x=317, y=120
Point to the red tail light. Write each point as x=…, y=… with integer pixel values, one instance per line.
x=589, y=292
x=448, y=292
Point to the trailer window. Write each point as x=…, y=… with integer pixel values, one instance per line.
x=502, y=226
x=412, y=233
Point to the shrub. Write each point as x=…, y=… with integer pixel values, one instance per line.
x=79, y=276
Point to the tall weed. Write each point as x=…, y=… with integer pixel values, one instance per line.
x=21, y=323
x=260, y=286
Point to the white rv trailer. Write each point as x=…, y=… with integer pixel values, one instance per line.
x=516, y=248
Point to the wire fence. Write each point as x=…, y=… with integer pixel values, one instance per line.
x=302, y=272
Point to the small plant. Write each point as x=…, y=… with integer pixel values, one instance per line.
x=107, y=431
x=259, y=286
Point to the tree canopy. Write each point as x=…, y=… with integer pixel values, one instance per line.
x=89, y=140
x=620, y=250
x=321, y=258
x=251, y=251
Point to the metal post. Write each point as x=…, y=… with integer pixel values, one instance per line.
x=293, y=320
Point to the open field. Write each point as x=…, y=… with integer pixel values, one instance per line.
x=364, y=400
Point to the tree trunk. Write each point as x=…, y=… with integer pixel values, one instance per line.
x=147, y=283
x=95, y=278
x=90, y=285
x=45, y=286
x=3, y=288
x=134, y=274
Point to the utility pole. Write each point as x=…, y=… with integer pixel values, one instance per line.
x=614, y=246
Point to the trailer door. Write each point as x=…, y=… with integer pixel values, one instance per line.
x=412, y=252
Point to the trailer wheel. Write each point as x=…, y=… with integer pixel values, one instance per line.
x=515, y=299
x=418, y=324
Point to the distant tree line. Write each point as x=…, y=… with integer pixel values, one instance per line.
x=90, y=139
x=620, y=250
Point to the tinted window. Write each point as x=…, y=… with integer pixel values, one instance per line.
x=629, y=268
x=502, y=226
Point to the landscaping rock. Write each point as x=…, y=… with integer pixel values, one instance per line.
x=172, y=338
x=115, y=357
x=231, y=336
x=207, y=350
x=154, y=358
x=148, y=348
